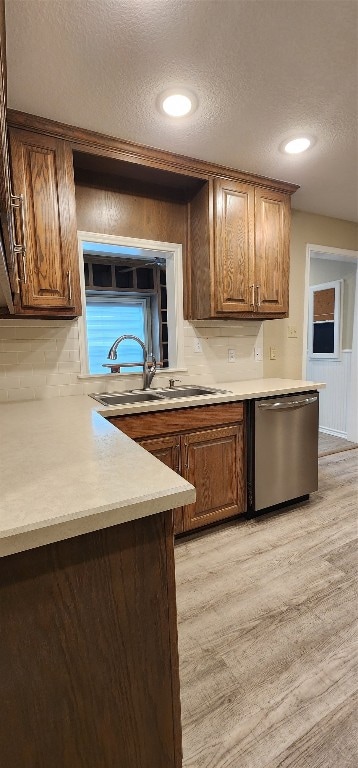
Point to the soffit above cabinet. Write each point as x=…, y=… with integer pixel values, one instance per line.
x=134, y=178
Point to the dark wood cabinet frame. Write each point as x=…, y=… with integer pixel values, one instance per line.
x=134, y=171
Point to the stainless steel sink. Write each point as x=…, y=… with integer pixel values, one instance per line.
x=152, y=395
x=124, y=398
x=188, y=391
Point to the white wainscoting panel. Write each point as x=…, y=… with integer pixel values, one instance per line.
x=333, y=399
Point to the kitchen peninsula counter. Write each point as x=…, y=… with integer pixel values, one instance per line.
x=66, y=471
x=88, y=632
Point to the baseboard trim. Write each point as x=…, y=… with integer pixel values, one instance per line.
x=333, y=432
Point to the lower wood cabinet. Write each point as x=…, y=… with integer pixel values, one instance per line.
x=167, y=450
x=207, y=447
x=214, y=465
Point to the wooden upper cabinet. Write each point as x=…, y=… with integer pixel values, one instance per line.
x=272, y=222
x=234, y=245
x=48, y=267
x=238, y=263
x=234, y=226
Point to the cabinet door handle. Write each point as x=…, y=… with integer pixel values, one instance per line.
x=69, y=286
x=17, y=202
x=252, y=295
x=177, y=457
x=186, y=456
x=258, y=288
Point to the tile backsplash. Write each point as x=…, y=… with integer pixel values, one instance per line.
x=41, y=358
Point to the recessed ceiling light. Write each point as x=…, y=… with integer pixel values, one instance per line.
x=297, y=145
x=178, y=103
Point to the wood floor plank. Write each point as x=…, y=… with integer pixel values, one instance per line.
x=329, y=444
x=345, y=557
x=267, y=634
x=332, y=743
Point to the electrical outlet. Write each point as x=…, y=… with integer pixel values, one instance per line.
x=292, y=332
x=197, y=345
x=231, y=355
x=259, y=354
x=272, y=353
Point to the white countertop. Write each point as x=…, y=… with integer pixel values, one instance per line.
x=64, y=470
x=236, y=390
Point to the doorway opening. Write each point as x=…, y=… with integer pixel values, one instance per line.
x=331, y=336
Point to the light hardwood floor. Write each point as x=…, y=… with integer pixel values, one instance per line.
x=268, y=636
x=328, y=444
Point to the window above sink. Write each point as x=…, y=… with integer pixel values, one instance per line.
x=130, y=287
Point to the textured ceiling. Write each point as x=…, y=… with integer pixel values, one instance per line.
x=263, y=70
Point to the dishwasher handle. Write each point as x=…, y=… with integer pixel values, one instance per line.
x=284, y=406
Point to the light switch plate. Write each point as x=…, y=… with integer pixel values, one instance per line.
x=231, y=355
x=259, y=355
x=272, y=353
x=197, y=345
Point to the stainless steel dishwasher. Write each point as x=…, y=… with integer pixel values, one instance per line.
x=283, y=449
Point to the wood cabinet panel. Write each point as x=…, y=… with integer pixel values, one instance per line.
x=272, y=219
x=167, y=450
x=113, y=212
x=49, y=270
x=198, y=293
x=234, y=245
x=178, y=420
x=8, y=269
x=89, y=659
x=4, y=160
x=203, y=449
x=214, y=465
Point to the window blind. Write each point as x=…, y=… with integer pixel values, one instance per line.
x=108, y=319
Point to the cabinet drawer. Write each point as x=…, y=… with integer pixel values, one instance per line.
x=178, y=420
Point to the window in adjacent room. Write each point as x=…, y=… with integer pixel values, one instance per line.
x=325, y=320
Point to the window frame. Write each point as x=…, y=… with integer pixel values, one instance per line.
x=172, y=252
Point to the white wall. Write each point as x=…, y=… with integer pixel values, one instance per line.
x=41, y=358
x=334, y=399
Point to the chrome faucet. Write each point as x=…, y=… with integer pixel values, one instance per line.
x=149, y=366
